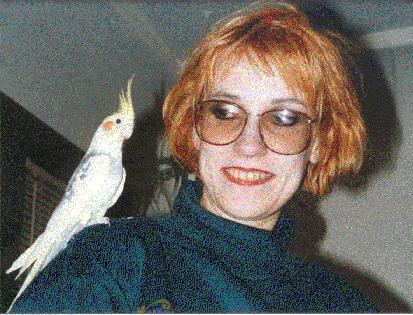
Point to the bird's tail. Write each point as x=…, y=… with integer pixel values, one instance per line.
x=26, y=259
x=38, y=254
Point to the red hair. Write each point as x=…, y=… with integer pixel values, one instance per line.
x=281, y=38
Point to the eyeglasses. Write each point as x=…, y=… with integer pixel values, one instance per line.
x=284, y=131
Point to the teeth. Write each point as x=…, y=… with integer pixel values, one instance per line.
x=247, y=176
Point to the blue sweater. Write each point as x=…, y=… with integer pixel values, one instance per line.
x=188, y=261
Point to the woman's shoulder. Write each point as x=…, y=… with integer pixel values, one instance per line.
x=119, y=234
x=103, y=269
x=117, y=229
x=327, y=289
x=121, y=242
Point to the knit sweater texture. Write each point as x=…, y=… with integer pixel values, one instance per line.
x=188, y=261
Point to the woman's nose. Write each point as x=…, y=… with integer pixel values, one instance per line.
x=250, y=143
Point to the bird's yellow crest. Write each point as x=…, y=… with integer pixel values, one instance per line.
x=125, y=101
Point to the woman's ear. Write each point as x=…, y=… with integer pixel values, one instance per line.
x=314, y=151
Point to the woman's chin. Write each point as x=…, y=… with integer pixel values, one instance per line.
x=248, y=210
x=252, y=215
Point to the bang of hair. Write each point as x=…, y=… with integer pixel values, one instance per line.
x=282, y=54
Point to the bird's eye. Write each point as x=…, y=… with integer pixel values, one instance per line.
x=118, y=121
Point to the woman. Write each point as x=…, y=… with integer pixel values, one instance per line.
x=263, y=106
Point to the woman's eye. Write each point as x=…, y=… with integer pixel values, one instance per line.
x=286, y=118
x=224, y=111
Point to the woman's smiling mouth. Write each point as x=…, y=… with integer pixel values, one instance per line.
x=247, y=176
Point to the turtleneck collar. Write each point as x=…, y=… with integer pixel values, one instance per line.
x=246, y=251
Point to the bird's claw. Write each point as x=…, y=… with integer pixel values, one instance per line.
x=103, y=220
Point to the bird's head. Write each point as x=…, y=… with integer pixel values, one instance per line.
x=121, y=123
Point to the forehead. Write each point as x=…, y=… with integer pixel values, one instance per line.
x=246, y=83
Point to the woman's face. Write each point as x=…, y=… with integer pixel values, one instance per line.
x=225, y=169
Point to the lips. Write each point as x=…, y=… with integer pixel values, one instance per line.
x=247, y=176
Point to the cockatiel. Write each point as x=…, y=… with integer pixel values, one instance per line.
x=94, y=187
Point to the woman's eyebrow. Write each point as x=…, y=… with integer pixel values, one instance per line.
x=292, y=102
x=224, y=95
x=287, y=99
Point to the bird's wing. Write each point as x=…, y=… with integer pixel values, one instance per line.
x=93, y=173
x=94, y=168
x=119, y=190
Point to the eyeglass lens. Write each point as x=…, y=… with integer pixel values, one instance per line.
x=282, y=130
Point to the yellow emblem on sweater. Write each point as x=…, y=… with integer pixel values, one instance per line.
x=157, y=307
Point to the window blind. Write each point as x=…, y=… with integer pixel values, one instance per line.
x=43, y=193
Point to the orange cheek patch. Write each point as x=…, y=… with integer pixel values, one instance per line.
x=107, y=125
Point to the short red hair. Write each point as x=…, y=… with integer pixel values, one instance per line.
x=310, y=63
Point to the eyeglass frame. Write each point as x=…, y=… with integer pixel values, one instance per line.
x=309, y=120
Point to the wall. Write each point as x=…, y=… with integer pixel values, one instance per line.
x=372, y=229
x=66, y=62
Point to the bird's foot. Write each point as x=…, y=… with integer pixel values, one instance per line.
x=102, y=220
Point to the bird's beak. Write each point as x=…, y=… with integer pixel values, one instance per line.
x=125, y=102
